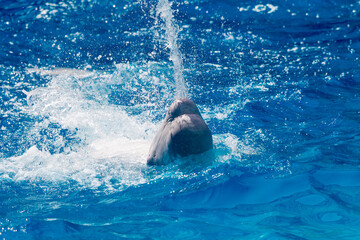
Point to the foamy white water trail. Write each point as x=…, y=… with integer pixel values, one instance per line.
x=165, y=13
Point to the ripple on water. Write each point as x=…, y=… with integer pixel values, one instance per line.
x=311, y=200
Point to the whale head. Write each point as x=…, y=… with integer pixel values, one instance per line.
x=182, y=133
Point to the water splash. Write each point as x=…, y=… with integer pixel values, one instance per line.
x=77, y=135
x=165, y=13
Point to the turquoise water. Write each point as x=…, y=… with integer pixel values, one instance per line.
x=85, y=85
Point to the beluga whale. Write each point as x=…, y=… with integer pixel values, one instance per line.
x=183, y=132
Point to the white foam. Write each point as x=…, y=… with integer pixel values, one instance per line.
x=80, y=167
x=112, y=145
x=231, y=147
x=64, y=102
x=78, y=73
x=123, y=148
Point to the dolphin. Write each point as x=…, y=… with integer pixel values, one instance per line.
x=183, y=132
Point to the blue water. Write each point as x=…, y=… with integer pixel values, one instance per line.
x=85, y=85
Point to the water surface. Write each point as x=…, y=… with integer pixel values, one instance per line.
x=85, y=85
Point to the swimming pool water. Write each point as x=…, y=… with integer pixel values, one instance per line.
x=85, y=85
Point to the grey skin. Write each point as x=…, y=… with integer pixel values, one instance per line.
x=182, y=133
